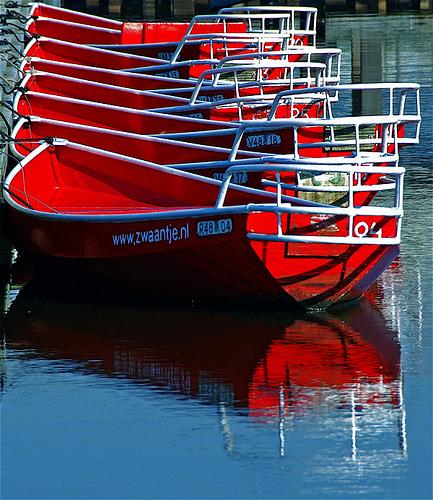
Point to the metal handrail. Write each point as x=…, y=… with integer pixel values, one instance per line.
x=332, y=61
x=215, y=75
x=357, y=232
x=327, y=91
x=283, y=34
x=329, y=54
x=356, y=143
x=303, y=15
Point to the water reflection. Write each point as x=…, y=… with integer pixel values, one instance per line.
x=268, y=366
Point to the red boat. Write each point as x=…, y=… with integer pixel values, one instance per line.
x=174, y=153
x=298, y=24
x=190, y=67
x=171, y=233
x=207, y=40
x=209, y=153
x=140, y=81
x=248, y=99
x=112, y=117
x=53, y=114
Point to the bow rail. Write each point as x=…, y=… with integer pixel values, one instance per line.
x=372, y=225
x=288, y=27
x=398, y=100
x=293, y=74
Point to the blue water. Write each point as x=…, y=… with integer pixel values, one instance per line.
x=121, y=400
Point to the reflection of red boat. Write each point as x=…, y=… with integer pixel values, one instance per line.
x=341, y=356
x=196, y=353
x=179, y=234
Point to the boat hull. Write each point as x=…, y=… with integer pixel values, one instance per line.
x=175, y=258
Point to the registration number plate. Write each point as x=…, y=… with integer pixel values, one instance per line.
x=256, y=141
x=169, y=74
x=214, y=227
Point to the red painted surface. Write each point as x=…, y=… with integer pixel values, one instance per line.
x=78, y=88
x=113, y=117
x=81, y=31
x=82, y=89
x=83, y=183
x=49, y=11
x=136, y=81
x=77, y=33
x=75, y=53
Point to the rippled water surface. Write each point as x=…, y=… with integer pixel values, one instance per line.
x=121, y=400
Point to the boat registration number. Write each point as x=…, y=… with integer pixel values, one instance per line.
x=214, y=227
x=169, y=74
x=237, y=177
x=256, y=141
x=211, y=98
x=164, y=55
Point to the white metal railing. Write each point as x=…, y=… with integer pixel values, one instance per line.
x=352, y=223
x=290, y=17
x=367, y=135
x=372, y=136
x=308, y=55
x=396, y=101
x=293, y=74
x=287, y=27
x=296, y=74
x=329, y=56
x=221, y=45
x=399, y=99
x=383, y=144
